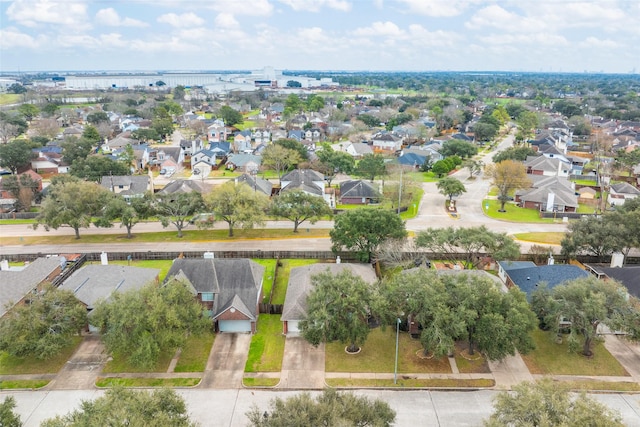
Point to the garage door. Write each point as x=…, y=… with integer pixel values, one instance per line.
x=234, y=325
x=293, y=326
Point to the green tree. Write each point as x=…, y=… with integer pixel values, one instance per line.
x=11, y=125
x=293, y=144
x=586, y=303
x=549, y=403
x=364, y=230
x=280, y=159
x=298, y=206
x=146, y=134
x=370, y=166
x=474, y=166
x=14, y=155
x=293, y=83
x=97, y=118
x=162, y=126
x=28, y=111
x=23, y=188
x=176, y=209
x=450, y=187
x=471, y=241
x=125, y=407
x=628, y=160
x=50, y=109
x=71, y=203
x=456, y=147
x=139, y=325
x=595, y=235
x=293, y=104
x=130, y=213
x=333, y=162
x=74, y=148
x=332, y=408
x=507, y=176
x=315, y=103
x=528, y=122
x=238, y=204
x=43, y=327
x=7, y=417
x=16, y=88
x=93, y=168
x=91, y=134
x=519, y=153
x=230, y=116
x=178, y=93
x=369, y=120
x=338, y=310
x=441, y=167
x=485, y=131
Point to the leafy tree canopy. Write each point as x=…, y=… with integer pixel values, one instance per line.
x=238, y=204
x=298, y=206
x=177, y=209
x=8, y=418
x=456, y=147
x=370, y=166
x=451, y=187
x=14, y=155
x=230, y=116
x=519, y=153
x=93, y=168
x=294, y=145
x=507, y=176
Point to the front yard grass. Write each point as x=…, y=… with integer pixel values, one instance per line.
x=543, y=237
x=23, y=384
x=282, y=280
x=378, y=355
x=119, y=365
x=590, y=385
x=11, y=365
x=147, y=382
x=267, y=345
x=550, y=358
x=513, y=213
x=195, y=353
x=166, y=236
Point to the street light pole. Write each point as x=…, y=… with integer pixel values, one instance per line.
x=395, y=371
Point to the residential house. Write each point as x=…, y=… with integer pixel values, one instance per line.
x=244, y=162
x=127, y=186
x=300, y=286
x=261, y=136
x=96, y=282
x=217, y=132
x=242, y=142
x=547, y=165
x=308, y=181
x=433, y=150
x=229, y=289
x=190, y=147
x=528, y=279
x=119, y=142
x=358, y=149
x=180, y=186
x=203, y=162
x=50, y=163
x=621, y=192
x=220, y=149
x=296, y=134
x=548, y=194
x=358, y=192
x=313, y=135
x=17, y=283
x=413, y=159
x=628, y=276
x=386, y=143
x=505, y=266
x=258, y=184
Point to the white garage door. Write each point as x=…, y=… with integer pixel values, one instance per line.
x=293, y=326
x=234, y=325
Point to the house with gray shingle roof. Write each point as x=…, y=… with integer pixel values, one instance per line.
x=258, y=184
x=17, y=283
x=358, y=192
x=529, y=279
x=127, y=186
x=548, y=194
x=300, y=285
x=621, y=192
x=229, y=289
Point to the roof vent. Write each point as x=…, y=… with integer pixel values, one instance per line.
x=528, y=278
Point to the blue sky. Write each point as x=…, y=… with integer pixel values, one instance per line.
x=377, y=35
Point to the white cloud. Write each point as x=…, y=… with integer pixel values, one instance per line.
x=596, y=43
x=184, y=20
x=316, y=5
x=241, y=7
x=438, y=8
x=33, y=12
x=12, y=38
x=530, y=39
x=498, y=17
x=420, y=36
x=226, y=20
x=380, y=29
x=111, y=18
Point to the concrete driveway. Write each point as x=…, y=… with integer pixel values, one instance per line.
x=81, y=371
x=225, y=367
x=302, y=365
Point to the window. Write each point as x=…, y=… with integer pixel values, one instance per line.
x=207, y=296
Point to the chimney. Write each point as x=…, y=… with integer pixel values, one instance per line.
x=4, y=265
x=103, y=259
x=338, y=261
x=550, y=261
x=550, y=200
x=208, y=255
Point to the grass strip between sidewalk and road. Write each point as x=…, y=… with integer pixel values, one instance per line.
x=23, y=384
x=260, y=382
x=147, y=382
x=411, y=382
x=542, y=237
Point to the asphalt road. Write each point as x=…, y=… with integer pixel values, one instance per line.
x=228, y=407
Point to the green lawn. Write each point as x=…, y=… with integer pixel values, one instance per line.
x=267, y=345
x=16, y=221
x=224, y=174
x=587, y=182
x=589, y=385
x=550, y=358
x=195, y=353
x=585, y=209
x=162, y=264
x=165, y=236
x=260, y=382
x=267, y=277
x=410, y=382
x=147, y=382
x=119, y=365
x=378, y=355
x=282, y=280
x=9, y=98
x=423, y=176
x=547, y=237
x=513, y=213
x=10, y=365
x=23, y=384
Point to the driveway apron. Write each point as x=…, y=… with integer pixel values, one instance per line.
x=81, y=371
x=302, y=365
x=225, y=367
